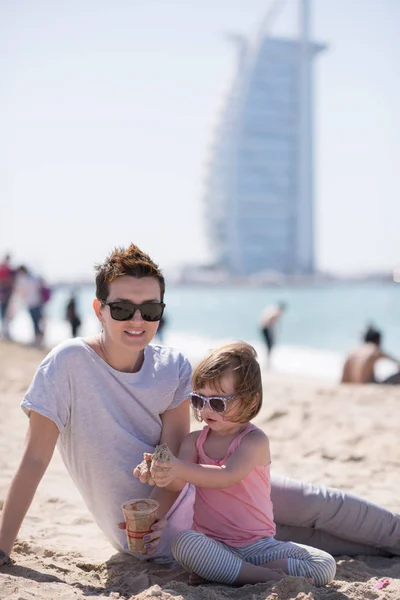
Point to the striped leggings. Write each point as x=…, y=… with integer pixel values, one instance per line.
x=215, y=561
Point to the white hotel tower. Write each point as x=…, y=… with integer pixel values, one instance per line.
x=259, y=203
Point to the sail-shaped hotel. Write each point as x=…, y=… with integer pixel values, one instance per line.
x=259, y=204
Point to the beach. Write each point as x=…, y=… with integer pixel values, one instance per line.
x=343, y=436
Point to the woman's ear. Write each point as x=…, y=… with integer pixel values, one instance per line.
x=97, y=306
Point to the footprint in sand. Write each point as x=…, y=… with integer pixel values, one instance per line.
x=89, y=567
x=21, y=547
x=278, y=414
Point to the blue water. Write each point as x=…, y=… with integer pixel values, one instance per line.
x=320, y=325
x=326, y=317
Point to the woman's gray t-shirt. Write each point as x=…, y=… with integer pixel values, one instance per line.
x=107, y=419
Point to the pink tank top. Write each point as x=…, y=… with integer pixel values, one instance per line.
x=237, y=515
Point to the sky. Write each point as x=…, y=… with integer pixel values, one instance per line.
x=107, y=116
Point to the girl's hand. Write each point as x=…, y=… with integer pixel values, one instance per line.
x=151, y=539
x=164, y=473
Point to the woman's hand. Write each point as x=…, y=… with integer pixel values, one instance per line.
x=142, y=471
x=151, y=539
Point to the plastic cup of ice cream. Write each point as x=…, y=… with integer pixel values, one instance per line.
x=139, y=516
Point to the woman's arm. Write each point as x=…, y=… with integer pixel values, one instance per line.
x=253, y=451
x=187, y=453
x=39, y=447
x=175, y=426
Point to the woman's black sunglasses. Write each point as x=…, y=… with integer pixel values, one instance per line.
x=123, y=310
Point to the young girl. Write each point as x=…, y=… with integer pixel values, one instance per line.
x=232, y=540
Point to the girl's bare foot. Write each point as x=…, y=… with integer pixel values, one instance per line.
x=195, y=579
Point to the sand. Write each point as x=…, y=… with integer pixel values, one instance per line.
x=345, y=436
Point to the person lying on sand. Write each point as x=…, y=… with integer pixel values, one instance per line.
x=359, y=366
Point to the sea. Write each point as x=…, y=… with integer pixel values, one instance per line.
x=321, y=324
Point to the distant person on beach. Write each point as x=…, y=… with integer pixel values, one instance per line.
x=72, y=316
x=29, y=288
x=359, y=366
x=7, y=278
x=270, y=317
x=232, y=540
x=107, y=399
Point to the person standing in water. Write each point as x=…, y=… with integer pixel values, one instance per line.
x=269, y=319
x=7, y=280
x=72, y=316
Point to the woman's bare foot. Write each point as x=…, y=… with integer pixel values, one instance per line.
x=195, y=579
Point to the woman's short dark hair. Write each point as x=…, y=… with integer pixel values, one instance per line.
x=126, y=261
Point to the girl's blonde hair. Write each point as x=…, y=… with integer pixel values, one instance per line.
x=240, y=359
